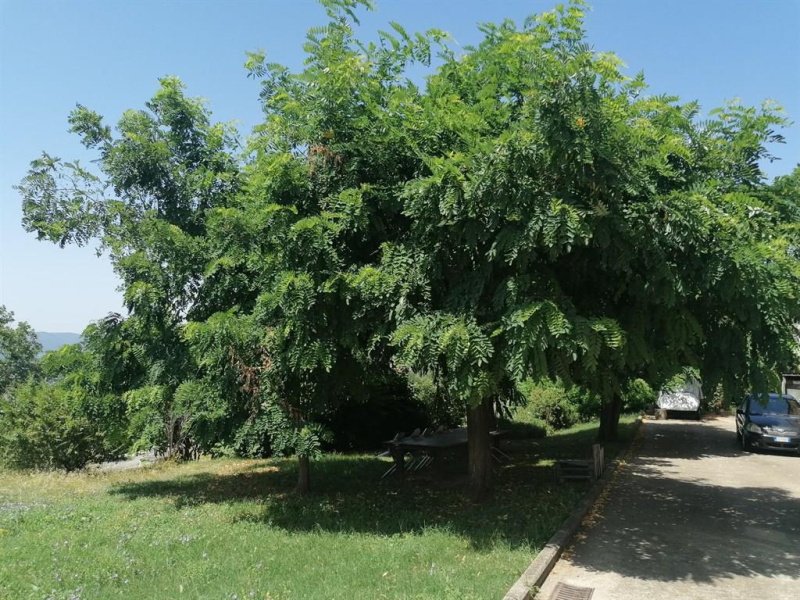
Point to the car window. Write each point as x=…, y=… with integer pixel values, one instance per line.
x=774, y=405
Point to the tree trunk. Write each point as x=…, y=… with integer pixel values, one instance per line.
x=479, y=420
x=304, y=475
x=609, y=419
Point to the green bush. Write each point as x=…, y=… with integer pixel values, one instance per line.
x=524, y=423
x=717, y=402
x=637, y=395
x=47, y=426
x=146, y=410
x=551, y=403
x=559, y=407
x=251, y=439
x=74, y=371
x=587, y=403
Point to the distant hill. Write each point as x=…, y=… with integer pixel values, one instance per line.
x=54, y=340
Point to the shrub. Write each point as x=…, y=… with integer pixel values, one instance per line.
x=717, y=401
x=146, y=410
x=637, y=395
x=46, y=426
x=251, y=439
x=551, y=403
x=198, y=416
x=587, y=403
x=74, y=371
x=524, y=423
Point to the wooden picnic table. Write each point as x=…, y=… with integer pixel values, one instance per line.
x=434, y=445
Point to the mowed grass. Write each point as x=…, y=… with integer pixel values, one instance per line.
x=233, y=529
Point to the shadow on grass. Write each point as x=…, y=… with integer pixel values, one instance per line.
x=349, y=496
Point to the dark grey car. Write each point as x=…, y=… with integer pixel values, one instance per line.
x=770, y=422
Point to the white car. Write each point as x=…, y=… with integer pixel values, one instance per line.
x=686, y=399
x=678, y=401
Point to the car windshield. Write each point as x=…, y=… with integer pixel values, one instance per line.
x=774, y=405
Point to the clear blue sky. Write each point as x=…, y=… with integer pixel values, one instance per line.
x=108, y=54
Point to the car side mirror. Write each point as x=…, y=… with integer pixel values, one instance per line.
x=739, y=411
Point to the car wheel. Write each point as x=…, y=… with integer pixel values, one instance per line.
x=746, y=445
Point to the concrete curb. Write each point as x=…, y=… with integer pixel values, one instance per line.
x=533, y=577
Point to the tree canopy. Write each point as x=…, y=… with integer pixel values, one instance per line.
x=527, y=212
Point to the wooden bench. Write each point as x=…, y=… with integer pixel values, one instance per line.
x=582, y=470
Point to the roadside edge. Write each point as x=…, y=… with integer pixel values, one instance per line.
x=533, y=577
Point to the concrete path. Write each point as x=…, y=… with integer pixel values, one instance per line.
x=131, y=462
x=692, y=517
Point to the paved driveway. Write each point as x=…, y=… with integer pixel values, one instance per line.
x=692, y=516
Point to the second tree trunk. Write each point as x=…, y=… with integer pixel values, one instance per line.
x=479, y=422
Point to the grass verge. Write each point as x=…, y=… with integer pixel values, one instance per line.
x=232, y=529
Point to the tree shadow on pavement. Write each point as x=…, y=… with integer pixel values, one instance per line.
x=677, y=530
x=712, y=437
x=671, y=517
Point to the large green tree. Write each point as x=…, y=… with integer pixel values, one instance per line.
x=303, y=239
x=529, y=212
x=564, y=223
x=144, y=202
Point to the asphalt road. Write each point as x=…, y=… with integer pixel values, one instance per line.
x=691, y=516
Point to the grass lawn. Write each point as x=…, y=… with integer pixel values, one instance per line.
x=228, y=529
